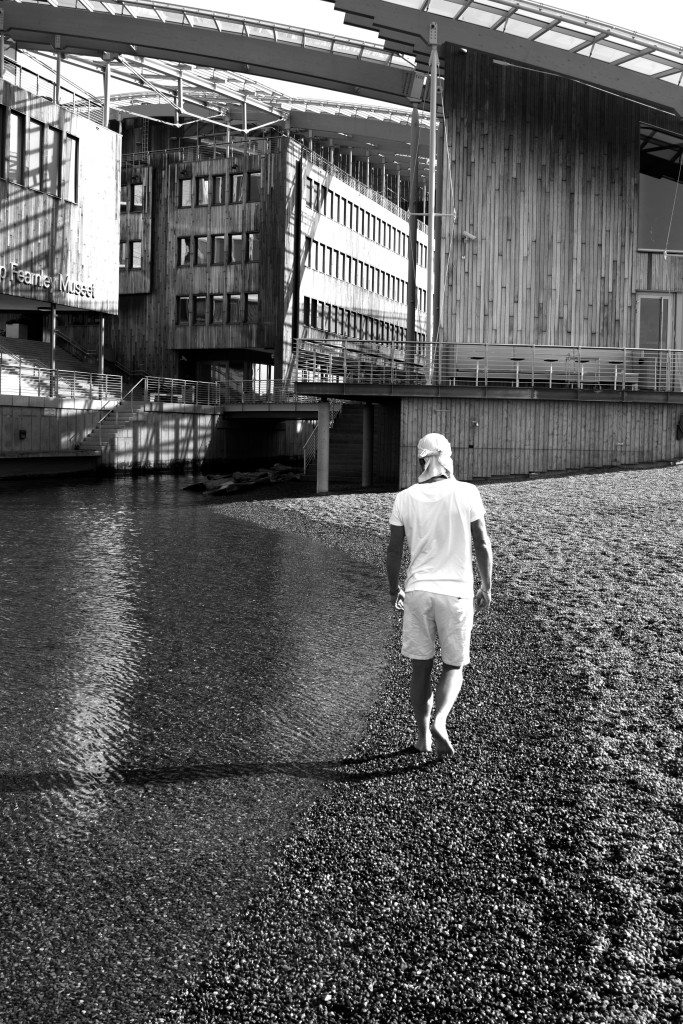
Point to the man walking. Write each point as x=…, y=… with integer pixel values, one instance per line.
x=440, y=518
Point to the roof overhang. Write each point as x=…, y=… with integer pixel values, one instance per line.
x=560, y=44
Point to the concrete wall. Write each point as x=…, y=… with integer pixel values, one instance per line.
x=48, y=425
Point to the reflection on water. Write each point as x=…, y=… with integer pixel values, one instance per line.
x=174, y=686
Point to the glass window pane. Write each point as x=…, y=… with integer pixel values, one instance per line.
x=252, y=247
x=201, y=250
x=254, y=194
x=236, y=181
x=233, y=308
x=185, y=192
x=216, y=309
x=236, y=248
x=15, y=155
x=199, y=309
x=202, y=191
x=136, y=196
x=184, y=252
x=218, y=189
x=252, y=308
x=183, y=309
x=53, y=161
x=123, y=201
x=218, y=249
x=34, y=154
x=123, y=255
x=136, y=255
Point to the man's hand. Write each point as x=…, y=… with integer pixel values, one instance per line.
x=482, y=600
x=398, y=600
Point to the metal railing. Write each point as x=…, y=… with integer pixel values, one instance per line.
x=261, y=393
x=173, y=389
x=348, y=361
x=28, y=379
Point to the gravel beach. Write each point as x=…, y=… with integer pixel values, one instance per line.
x=535, y=876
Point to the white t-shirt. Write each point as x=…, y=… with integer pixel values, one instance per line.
x=436, y=517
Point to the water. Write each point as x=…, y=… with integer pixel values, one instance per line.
x=175, y=685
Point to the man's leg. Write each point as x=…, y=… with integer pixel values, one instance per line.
x=447, y=690
x=421, y=699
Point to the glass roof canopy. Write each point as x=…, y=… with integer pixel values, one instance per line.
x=572, y=33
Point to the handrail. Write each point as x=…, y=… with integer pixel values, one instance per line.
x=25, y=377
x=310, y=446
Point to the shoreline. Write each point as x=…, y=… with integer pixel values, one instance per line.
x=532, y=877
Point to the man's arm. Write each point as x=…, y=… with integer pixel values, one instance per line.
x=484, y=557
x=394, y=558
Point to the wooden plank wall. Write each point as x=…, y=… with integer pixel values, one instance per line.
x=498, y=437
x=545, y=172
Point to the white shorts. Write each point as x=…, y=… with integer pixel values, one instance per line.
x=426, y=615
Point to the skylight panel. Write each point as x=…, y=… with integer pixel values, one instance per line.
x=201, y=21
x=604, y=52
x=647, y=66
x=318, y=42
x=283, y=36
x=522, y=26
x=347, y=48
x=481, y=16
x=562, y=40
x=228, y=25
x=443, y=7
x=259, y=31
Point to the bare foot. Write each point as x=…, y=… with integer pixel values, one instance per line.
x=442, y=744
x=423, y=746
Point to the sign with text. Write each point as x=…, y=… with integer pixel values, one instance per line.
x=12, y=274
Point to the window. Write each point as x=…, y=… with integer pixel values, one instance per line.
x=182, y=315
x=184, y=251
x=252, y=247
x=218, y=248
x=123, y=255
x=53, y=161
x=252, y=308
x=236, y=184
x=202, y=191
x=218, y=190
x=236, y=246
x=201, y=250
x=660, y=205
x=309, y=192
x=15, y=154
x=254, y=186
x=34, y=154
x=233, y=309
x=185, y=192
x=136, y=254
x=123, y=200
x=199, y=309
x=216, y=309
x=136, y=195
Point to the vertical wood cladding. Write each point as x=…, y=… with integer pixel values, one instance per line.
x=498, y=437
x=149, y=336
x=545, y=172
x=71, y=243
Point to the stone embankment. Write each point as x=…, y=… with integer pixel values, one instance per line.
x=534, y=876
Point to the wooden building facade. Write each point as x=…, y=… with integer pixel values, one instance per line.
x=232, y=250
x=548, y=174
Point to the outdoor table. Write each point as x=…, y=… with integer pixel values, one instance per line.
x=550, y=370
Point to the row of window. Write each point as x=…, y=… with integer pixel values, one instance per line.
x=323, y=316
x=214, y=309
x=350, y=215
x=337, y=264
x=210, y=190
x=38, y=155
x=200, y=249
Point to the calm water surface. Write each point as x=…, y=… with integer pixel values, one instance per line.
x=174, y=687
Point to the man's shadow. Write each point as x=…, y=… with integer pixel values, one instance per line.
x=346, y=770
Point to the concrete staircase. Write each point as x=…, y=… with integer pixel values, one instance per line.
x=38, y=352
x=117, y=419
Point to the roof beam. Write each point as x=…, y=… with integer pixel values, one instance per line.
x=395, y=23
x=34, y=27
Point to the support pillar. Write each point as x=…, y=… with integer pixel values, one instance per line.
x=368, y=431
x=100, y=353
x=323, y=464
x=50, y=335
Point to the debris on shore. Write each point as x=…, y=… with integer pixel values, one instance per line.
x=240, y=481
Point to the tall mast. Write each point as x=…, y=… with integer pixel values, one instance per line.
x=434, y=73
